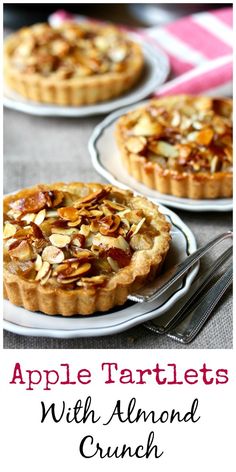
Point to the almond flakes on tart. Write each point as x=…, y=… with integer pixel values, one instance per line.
x=80, y=248
x=73, y=64
x=180, y=145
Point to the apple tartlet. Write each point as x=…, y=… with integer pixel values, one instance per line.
x=80, y=248
x=180, y=145
x=73, y=64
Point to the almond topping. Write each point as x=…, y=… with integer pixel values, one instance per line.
x=53, y=255
x=59, y=240
x=138, y=227
x=39, y=218
x=44, y=280
x=45, y=269
x=9, y=231
x=136, y=144
x=38, y=263
x=96, y=280
x=22, y=252
x=114, y=265
x=68, y=213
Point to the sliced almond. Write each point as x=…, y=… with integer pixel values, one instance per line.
x=139, y=226
x=9, y=230
x=136, y=144
x=44, y=280
x=53, y=255
x=203, y=137
x=68, y=213
x=45, y=269
x=214, y=164
x=141, y=242
x=95, y=280
x=39, y=218
x=38, y=263
x=147, y=127
x=75, y=223
x=60, y=240
x=114, y=265
x=164, y=149
x=51, y=214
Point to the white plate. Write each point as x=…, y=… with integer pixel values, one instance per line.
x=155, y=73
x=107, y=161
x=20, y=321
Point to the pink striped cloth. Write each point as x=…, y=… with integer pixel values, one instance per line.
x=199, y=48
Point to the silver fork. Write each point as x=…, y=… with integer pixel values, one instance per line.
x=163, y=283
x=188, y=329
x=169, y=321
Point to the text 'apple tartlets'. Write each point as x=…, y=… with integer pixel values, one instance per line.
x=73, y=64
x=80, y=248
x=180, y=145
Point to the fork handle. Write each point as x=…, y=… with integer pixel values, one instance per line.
x=179, y=270
x=198, y=317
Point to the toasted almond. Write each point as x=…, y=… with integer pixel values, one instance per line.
x=23, y=251
x=53, y=255
x=44, y=280
x=141, y=242
x=45, y=269
x=68, y=213
x=122, y=243
x=28, y=217
x=94, y=196
x=164, y=149
x=95, y=280
x=147, y=127
x=60, y=240
x=68, y=280
x=14, y=214
x=136, y=144
x=38, y=263
x=39, y=218
x=214, y=164
x=138, y=226
x=75, y=223
x=114, y=265
x=64, y=231
x=9, y=230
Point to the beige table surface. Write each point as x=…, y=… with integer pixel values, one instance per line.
x=42, y=150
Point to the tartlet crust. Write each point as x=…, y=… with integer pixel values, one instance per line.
x=74, y=91
x=144, y=266
x=195, y=185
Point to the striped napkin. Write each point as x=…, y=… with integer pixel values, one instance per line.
x=199, y=48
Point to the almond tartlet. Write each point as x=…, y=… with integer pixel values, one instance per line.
x=180, y=145
x=80, y=248
x=73, y=64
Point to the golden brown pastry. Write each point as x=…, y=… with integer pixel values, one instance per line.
x=80, y=248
